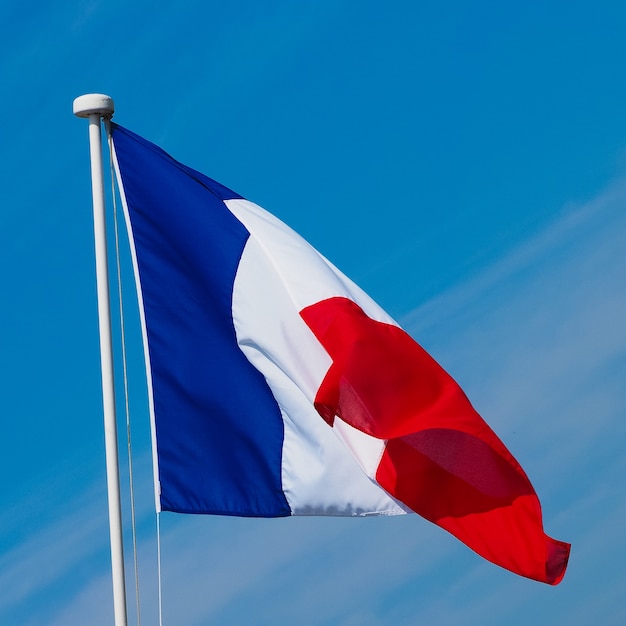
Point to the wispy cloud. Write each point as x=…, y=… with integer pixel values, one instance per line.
x=538, y=341
x=67, y=547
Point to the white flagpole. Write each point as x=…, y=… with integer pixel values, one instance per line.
x=95, y=107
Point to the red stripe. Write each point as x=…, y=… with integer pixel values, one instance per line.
x=441, y=459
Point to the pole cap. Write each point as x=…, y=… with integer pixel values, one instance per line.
x=90, y=103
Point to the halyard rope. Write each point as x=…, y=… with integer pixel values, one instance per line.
x=125, y=375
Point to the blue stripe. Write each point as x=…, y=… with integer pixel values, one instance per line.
x=219, y=429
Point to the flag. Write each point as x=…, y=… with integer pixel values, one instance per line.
x=278, y=387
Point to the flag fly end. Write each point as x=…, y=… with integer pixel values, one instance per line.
x=91, y=103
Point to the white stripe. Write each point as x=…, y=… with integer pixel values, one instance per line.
x=307, y=275
x=279, y=274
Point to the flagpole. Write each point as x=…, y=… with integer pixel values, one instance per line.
x=95, y=107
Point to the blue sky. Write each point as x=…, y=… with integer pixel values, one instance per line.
x=465, y=164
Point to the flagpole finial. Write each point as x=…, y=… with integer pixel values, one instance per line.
x=91, y=103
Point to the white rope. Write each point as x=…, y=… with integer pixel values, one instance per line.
x=125, y=373
x=160, y=591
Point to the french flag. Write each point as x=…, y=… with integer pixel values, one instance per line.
x=278, y=387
